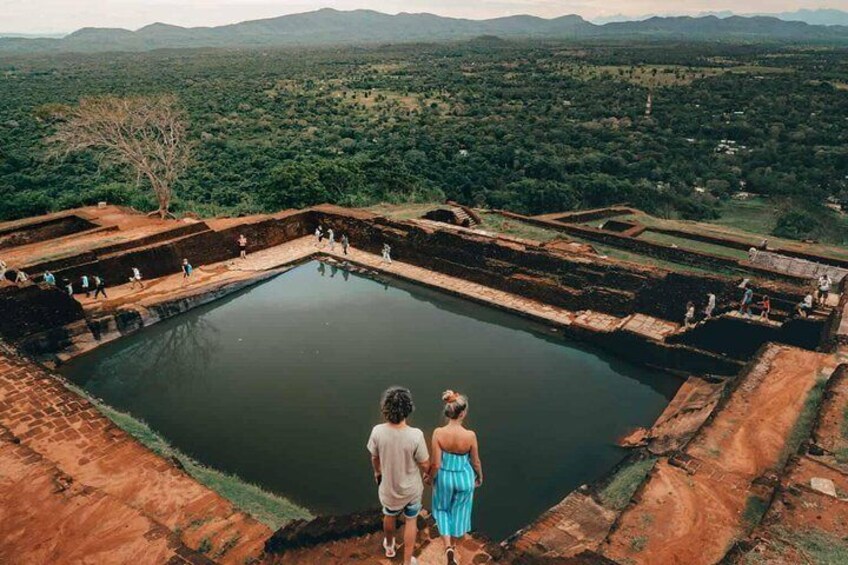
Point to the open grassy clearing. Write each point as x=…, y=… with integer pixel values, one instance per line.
x=376, y=99
x=266, y=507
x=749, y=220
x=651, y=76
x=693, y=245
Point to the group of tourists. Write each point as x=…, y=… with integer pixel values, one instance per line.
x=402, y=465
x=822, y=293
x=749, y=303
x=330, y=236
x=87, y=284
x=689, y=318
x=20, y=276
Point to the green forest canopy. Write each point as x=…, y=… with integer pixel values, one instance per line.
x=529, y=126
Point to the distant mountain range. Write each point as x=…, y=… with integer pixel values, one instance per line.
x=330, y=26
x=821, y=16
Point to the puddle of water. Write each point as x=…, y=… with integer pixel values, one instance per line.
x=280, y=383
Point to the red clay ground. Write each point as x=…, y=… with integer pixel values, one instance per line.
x=368, y=550
x=693, y=515
x=804, y=525
x=116, y=483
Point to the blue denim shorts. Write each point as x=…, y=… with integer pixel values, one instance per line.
x=409, y=511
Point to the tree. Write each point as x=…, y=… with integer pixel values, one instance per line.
x=146, y=134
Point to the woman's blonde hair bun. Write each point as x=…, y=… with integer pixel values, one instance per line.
x=455, y=404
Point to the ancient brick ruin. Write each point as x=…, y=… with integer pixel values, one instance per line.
x=711, y=447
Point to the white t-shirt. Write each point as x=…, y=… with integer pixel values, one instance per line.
x=400, y=450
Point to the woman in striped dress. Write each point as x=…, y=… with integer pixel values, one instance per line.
x=456, y=471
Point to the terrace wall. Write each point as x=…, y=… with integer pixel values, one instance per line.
x=575, y=282
x=16, y=235
x=33, y=309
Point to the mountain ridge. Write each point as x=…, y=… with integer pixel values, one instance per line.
x=329, y=26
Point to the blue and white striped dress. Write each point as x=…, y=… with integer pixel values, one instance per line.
x=453, y=494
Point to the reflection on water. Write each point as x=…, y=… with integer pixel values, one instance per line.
x=279, y=384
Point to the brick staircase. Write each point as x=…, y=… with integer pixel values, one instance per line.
x=464, y=219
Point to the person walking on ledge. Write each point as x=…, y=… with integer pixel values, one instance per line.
x=399, y=457
x=99, y=287
x=331, y=238
x=711, y=305
x=456, y=472
x=387, y=253
x=319, y=236
x=187, y=270
x=745, y=305
x=135, y=278
x=84, y=284
x=242, y=243
x=345, y=243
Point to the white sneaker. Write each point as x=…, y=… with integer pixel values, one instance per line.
x=389, y=549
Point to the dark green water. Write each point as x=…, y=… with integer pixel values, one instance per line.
x=280, y=385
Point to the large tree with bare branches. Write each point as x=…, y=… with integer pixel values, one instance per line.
x=145, y=133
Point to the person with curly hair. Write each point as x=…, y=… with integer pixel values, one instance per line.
x=399, y=457
x=456, y=472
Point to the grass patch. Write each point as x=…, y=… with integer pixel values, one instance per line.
x=266, y=507
x=205, y=545
x=638, y=543
x=627, y=479
x=844, y=426
x=694, y=245
x=516, y=228
x=819, y=546
x=755, y=509
x=804, y=424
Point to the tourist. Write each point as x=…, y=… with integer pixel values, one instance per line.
x=3, y=269
x=387, y=253
x=824, y=288
x=752, y=254
x=805, y=308
x=764, y=245
x=331, y=237
x=99, y=287
x=135, y=278
x=711, y=305
x=747, y=299
x=689, y=318
x=345, y=243
x=49, y=278
x=242, y=243
x=187, y=269
x=765, y=307
x=21, y=277
x=456, y=471
x=69, y=287
x=399, y=457
x=319, y=236
x=84, y=285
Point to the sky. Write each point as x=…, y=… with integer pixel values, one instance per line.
x=59, y=16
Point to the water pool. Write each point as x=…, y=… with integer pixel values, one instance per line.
x=280, y=383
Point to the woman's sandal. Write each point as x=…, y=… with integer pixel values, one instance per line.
x=450, y=554
x=389, y=549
